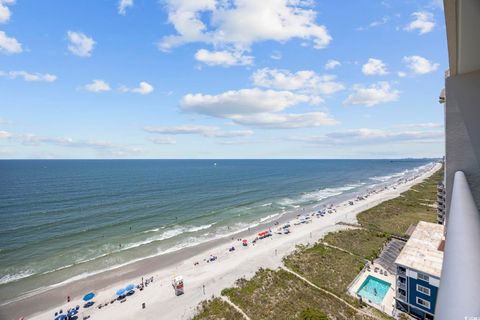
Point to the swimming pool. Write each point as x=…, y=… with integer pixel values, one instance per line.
x=373, y=289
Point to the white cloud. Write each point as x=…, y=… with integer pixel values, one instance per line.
x=244, y=101
x=423, y=22
x=5, y=134
x=276, y=55
x=236, y=23
x=9, y=45
x=80, y=44
x=401, y=74
x=5, y=13
x=332, y=64
x=223, y=58
x=374, y=94
x=374, y=67
x=285, y=120
x=123, y=5
x=373, y=136
x=143, y=88
x=206, y=131
x=163, y=140
x=420, y=65
x=303, y=81
x=375, y=23
x=97, y=86
x=29, y=76
x=426, y=125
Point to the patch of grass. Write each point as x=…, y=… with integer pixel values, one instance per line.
x=216, y=309
x=326, y=267
x=312, y=314
x=396, y=215
x=281, y=295
x=364, y=243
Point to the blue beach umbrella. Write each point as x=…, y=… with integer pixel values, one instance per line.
x=61, y=317
x=120, y=292
x=129, y=287
x=88, y=296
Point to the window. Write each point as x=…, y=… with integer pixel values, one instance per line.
x=422, y=276
x=423, y=302
x=423, y=289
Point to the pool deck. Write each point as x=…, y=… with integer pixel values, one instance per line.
x=388, y=303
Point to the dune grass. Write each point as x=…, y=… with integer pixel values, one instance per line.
x=361, y=242
x=396, y=215
x=281, y=295
x=216, y=309
x=328, y=268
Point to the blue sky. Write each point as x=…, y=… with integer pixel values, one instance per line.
x=221, y=79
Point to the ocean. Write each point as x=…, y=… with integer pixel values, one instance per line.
x=62, y=220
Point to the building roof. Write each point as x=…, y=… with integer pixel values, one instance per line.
x=421, y=252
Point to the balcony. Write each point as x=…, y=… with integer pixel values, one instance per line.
x=401, y=297
x=401, y=285
x=458, y=293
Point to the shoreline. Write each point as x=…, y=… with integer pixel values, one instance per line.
x=214, y=276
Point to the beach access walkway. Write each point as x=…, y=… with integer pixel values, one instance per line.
x=330, y=294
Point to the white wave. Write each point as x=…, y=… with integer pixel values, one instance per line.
x=266, y=204
x=17, y=276
x=194, y=229
x=269, y=217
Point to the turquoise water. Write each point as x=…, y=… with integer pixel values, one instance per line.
x=373, y=289
x=67, y=219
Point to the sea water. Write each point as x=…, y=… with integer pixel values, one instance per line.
x=65, y=219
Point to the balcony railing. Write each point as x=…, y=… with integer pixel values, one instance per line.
x=459, y=295
x=401, y=285
x=401, y=297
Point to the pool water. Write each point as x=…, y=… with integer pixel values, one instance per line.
x=373, y=289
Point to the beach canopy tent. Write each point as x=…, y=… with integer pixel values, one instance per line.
x=88, y=296
x=130, y=287
x=120, y=292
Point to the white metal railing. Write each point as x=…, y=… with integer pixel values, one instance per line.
x=459, y=292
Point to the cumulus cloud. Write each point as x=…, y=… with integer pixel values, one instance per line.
x=420, y=65
x=80, y=44
x=373, y=136
x=244, y=101
x=332, y=64
x=401, y=74
x=380, y=92
x=143, y=88
x=423, y=22
x=304, y=81
x=123, y=5
x=236, y=23
x=97, y=86
x=223, y=58
x=5, y=13
x=374, y=67
x=9, y=45
x=5, y=134
x=285, y=120
x=29, y=76
x=206, y=131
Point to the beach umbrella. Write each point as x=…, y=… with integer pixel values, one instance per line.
x=61, y=317
x=88, y=296
x=120, y=292
x=129, y=287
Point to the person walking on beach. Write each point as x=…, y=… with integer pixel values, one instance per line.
x=68, y=298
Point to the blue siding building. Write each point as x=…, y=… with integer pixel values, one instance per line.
x=419, y=266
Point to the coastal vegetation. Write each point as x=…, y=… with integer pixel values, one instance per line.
x=331, y=265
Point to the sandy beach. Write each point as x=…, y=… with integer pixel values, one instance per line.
x=202, y=280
